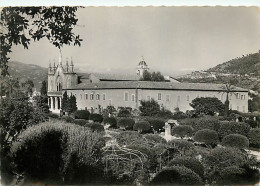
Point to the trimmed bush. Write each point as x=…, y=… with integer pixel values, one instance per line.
x=207, y=136
x=188, y=121
x=207, y=122
x=252, y=123
x=191, y=163
x=82, y=114
x=51, y=115
x=177, y=175
x=67, y=119
x=126, y=123
x=52, y=151
x=96, y=118
x=232, y=127
x=129, y=138
x=95, y=127
x=81, y=122
x=157, y=125
x=182, y=145
x=235, y=140
x=182, y=131
x=142, y=126
x=124, y=112
x=110, y=121
x=254, y=137
x=153, y=139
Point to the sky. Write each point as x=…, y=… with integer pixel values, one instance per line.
x=171, y=39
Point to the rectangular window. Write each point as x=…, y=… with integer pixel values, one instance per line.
x=126, y=96
x=167, y=97
x=104, y=96
x=188, y=98
x=97, y=97
x=133, y=97
x=159, y=96
x=91, y=96
x=86, y=96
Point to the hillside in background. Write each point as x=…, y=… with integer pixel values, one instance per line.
x=28, y=72
x=242, y=71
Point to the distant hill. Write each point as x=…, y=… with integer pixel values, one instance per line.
x=28, y=72
x=242, y=71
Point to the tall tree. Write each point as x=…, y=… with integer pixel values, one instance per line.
x=64, y=102
x=44, y=88
x=20, y=25
x=72, y=104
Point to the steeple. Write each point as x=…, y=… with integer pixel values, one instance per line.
x=71, y=64
x=142, y=66
x=60, y=58
x=67, y=65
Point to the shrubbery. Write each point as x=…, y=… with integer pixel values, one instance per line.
x=182, y=131
x=82, y=114
x=157, y=125
x=254, y=137
x=153, y=139
x=95, y=127
x=110, y=121
x=252, y=123
x=67, y=119
x=96, y=118
x=177, y=175
x=191, y=163
x=54, y=151
x=142, y=126
x=125, y=123
x=232, y=127
x=183, y=146
x=207, y=136
x=124, y=112
x=235, y=140
x=206, y=122
x=81, y=122
x=129, y=138
x=51, y=115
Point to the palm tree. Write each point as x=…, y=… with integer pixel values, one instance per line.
x=228, y=90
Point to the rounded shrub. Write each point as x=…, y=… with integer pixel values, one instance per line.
x=154, y=139
x=96, y=118
x=67, y=119
x=82, y=114
x=235, y=140
x=95, y=127
x=157, y=125
x=142, y=126
x=206, y=122
x=207, y=136
x=126, y=123
x=81, y=122
x=124, y=112
x=177, y=175
x=252, y=123
x=182, y=145
x=129, y=138
x=55, y=116
x=110, y=121
x=188, y=162
x=254, y=137
x=232, y=127
x=182, y=131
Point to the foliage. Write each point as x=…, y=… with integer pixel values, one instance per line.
x=124, y=112
x=232, y=127
x=154, y=139
x=164, y=113
x=179, y=175
x=188, y=162
x=235, y=140
x=254, y=103
x=58, y=150
x=154, y=76
x=82, y=114
x=142, y=126
x=179, y=115
x=207, y=136
x=96, y=118
x=28, y=85
x=95, y=127
x=206, y=122
x=157, y=124
x=64, y=102
x=42, y=103
x=52, y=115
x=68, y=103
x=67, y=119
x=21, y=24
x=110, y=121
x=129, y=138
x=125, y=123
x=81, y=122
x=254, y=136
x=149, y=108
x=182, y=131
x=183, y=146
x=252, y=123
x=189, y=121
x=207, y=106
x=109, y=110
x=44, y=88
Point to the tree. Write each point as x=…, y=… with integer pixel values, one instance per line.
x=44, y=88
x=22, y=24
x=228, y=91
x=72, y=104
x=64, y=102
x=28, y=85
x=254, y=104
x=207, y=106
x=207, y=136
x=149, y=108
x=154, y=76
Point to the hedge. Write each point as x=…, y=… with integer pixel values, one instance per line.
x=82, y=114
x=55, y=150
x=236, y=140
x=110, y=121
x=191, y=163
x=51, y=115
x=206, y=122
x=126, y=123
x=67, y=119
x=157, y=124
x=182, y=131
x=182, y=145
x=232, y=127
x=95, y=127
x=96, y=118
x=252, y=123
x=142, y=126
x=207, y=136
x=177, y=175
x=81, y=122
x=254, y=137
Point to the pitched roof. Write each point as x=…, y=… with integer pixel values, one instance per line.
x=155, y=86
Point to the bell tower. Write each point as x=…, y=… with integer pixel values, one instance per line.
x=142, y=66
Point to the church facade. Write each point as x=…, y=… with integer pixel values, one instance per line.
x=95, y=92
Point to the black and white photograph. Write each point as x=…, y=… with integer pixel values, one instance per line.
x=130, y=95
